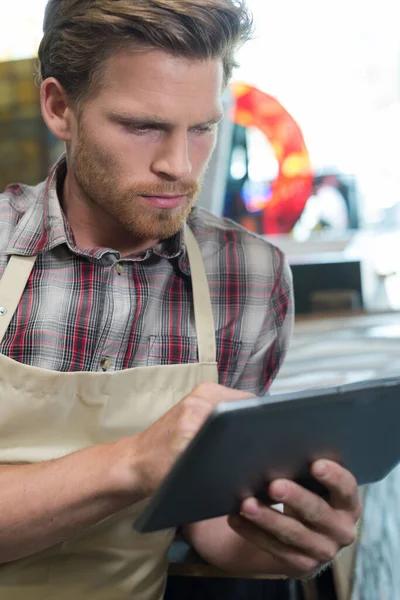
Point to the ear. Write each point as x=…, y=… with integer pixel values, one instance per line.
x=56, y=109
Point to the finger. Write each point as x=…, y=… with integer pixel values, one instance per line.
x=216, y=393
x=314, y=512
x=341, y=484
x=298, y=563
x=307, y=506
x=289, y=532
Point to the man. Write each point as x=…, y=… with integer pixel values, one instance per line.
x=126, y=315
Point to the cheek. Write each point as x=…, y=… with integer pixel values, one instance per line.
x=201, y=150
x=131, y=154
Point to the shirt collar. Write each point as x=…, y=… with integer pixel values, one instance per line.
x=44, y=227
x=41, y=228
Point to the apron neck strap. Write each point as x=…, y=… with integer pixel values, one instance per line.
x=203, y=313
x=12, y=286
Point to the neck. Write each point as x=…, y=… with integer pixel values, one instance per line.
x=93, y=227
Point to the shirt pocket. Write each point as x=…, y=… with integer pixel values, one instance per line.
x=174, y=349
x=171, y=350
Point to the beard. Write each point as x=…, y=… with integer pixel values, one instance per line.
x=96, y=173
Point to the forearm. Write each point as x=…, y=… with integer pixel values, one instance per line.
x=44, y=504
x=220, y=546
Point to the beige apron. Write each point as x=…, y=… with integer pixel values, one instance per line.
x=46, y=415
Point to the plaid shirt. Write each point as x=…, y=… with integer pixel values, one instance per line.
x=91, y=310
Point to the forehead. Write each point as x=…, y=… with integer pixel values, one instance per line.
x=162, y=84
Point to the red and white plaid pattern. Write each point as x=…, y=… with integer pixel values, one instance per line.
x=81, y=307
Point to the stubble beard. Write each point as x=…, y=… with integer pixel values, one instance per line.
x=96, y=177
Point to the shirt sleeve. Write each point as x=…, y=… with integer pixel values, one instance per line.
x=273, y=341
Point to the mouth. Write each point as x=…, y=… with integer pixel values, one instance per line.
x=166, y=201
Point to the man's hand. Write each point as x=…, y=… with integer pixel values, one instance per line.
x=156, y=449
x=312, y=530
x=44, y=504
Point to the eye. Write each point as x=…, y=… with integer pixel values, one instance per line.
x=204, y=129
x=139, y=129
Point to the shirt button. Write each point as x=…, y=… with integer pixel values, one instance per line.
x=120, y=269
x=105, y=364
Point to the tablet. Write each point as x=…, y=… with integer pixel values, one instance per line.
x=245, y=444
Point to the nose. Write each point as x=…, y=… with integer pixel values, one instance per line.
x=172, y=160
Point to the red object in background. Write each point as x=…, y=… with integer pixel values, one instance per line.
x=292, y=188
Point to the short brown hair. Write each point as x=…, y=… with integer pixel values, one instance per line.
x=80, y=35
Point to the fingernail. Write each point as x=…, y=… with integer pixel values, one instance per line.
x=321, y=469
x=251, y=509
x=279, y=491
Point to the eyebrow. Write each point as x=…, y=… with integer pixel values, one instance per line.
x=154, y=121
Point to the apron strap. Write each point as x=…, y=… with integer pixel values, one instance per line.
x=12, y=285
x=203, y=313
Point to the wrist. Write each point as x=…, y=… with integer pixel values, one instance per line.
x=124, y=470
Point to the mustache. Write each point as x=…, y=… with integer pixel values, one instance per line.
x=165, y=189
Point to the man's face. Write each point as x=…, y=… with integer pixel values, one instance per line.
x=140, y=148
